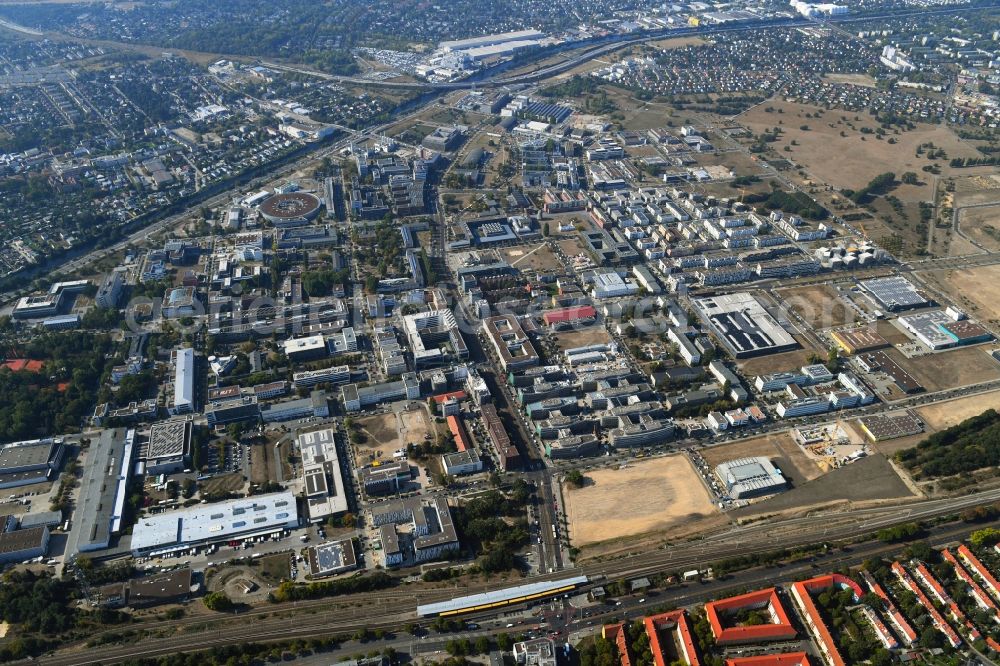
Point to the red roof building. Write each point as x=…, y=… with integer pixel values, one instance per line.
x=458, y=430
x=936, y=618
x=989, y=581
x=802, y=592
x=616, y=634
x=901, y=624
x=787, y=659
x=657, y=625
x=567, y=315
x=975, y=590
x=720, y=615
x=441, y=397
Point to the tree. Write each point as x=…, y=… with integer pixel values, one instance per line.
x=218, y=601
x=984, y=537
x=546, y=230
x=575, y=478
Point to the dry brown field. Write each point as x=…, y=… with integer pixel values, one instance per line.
x=652, y=495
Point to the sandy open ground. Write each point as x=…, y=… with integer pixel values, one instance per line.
x=950, y=369
x=976, y=290
x=416, y=425
x=657, y=494
x=819, y=305
x=946, y=414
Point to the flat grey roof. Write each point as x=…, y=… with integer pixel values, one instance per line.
x=167, y=439
x=26, y=454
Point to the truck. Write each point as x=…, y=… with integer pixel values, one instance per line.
x=691, y=575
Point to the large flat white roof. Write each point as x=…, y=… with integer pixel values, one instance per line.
x=184, y=378
x=215, y=522
x=487, y=40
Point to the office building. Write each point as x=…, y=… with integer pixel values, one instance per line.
x=323, y=479
x=316, y=405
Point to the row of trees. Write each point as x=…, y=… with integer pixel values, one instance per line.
x=289, y=591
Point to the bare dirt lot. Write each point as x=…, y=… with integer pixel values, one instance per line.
x=534, y=258
x=982, y=225
x=260, y=464
x=656, y=494
x=591, y=335
x=819, y=305
x=224, y=483
x=867, y=480
x=783, y=362
x=943, y=415
x=778, y=447
x=381, y=437
x=417, y=424
x=975, y=290
x=949, y=369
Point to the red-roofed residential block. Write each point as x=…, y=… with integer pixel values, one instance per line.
x=787, y=659
x=616, y=634
x=903, y=628
x=802, y=592
x=720, y=617
x=989, y=581
x=980, y=596
x=676, y=620
x=936, y=618
x=567, y=315
x=924, y=574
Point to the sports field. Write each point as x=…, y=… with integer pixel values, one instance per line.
x=656, y=494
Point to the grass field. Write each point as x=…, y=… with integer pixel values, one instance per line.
x=828, y=148
x=778, y=447
x=819, y=305
x=658, y=494
x=943, y=415
x=275, y=568
x=975, y=290
x=950, y=369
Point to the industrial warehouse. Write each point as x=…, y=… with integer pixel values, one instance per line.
x=742, y=323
